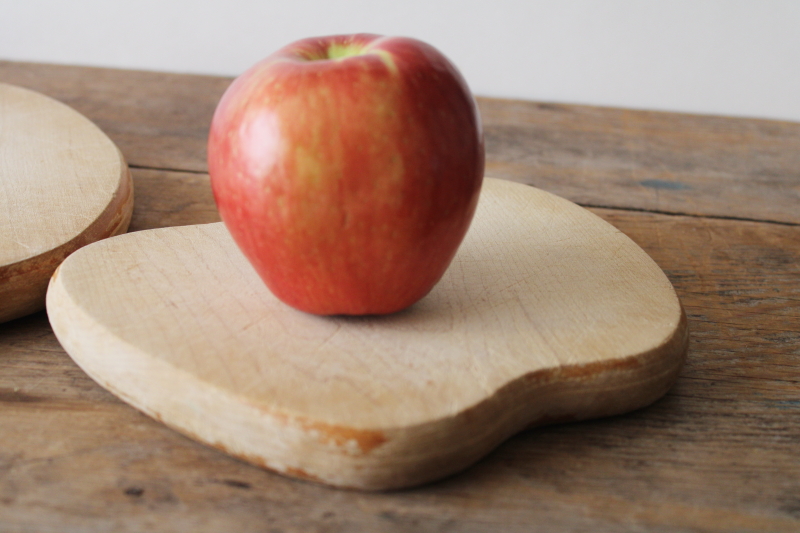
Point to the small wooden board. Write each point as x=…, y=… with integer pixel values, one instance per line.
x=547, y=314
x=63, y=184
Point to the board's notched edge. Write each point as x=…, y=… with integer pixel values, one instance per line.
x=380, y=458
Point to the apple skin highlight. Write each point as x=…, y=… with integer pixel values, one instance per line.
x=347, y=169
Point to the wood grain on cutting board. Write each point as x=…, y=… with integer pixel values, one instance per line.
x=63, y=184
x=547, y=314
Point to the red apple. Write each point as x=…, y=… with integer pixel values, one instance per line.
x=347, y=169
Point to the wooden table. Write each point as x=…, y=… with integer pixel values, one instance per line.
x=715, y=201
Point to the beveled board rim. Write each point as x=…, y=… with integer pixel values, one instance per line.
x=49, y=144
x=364, y=454
x=62, y=143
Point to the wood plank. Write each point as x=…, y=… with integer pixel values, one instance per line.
x=718, y=453
x=166, y=198
x=662, y=162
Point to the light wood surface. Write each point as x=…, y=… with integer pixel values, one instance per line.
x=63, y=184
x=718, y=453
x=546, y=314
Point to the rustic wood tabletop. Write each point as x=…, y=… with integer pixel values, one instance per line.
x=716, y=203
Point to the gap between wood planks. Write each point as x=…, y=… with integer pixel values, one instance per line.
x=691, y=215
x=585, y=205
x=167, y=169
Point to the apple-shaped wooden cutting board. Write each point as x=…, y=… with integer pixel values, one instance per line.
x=63, y=184
x=547, y=314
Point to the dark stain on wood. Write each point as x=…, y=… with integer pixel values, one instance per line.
x=19, y=396
x=135, y=492
x=665, y=185
x=342, y=436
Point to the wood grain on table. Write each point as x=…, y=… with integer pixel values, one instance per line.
x=716, y=203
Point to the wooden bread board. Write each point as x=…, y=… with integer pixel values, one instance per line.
x=63, y=184
x=547, y=314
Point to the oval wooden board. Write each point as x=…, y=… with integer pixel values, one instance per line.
x=547, y=314
x=63, y=184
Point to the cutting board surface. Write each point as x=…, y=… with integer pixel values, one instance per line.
x=63, y=184
x=547, y=314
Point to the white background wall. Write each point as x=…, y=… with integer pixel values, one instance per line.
x=709, y=56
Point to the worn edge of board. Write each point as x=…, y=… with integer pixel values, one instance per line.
x=23, y=284
x=384, y=458
x=379, y=458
